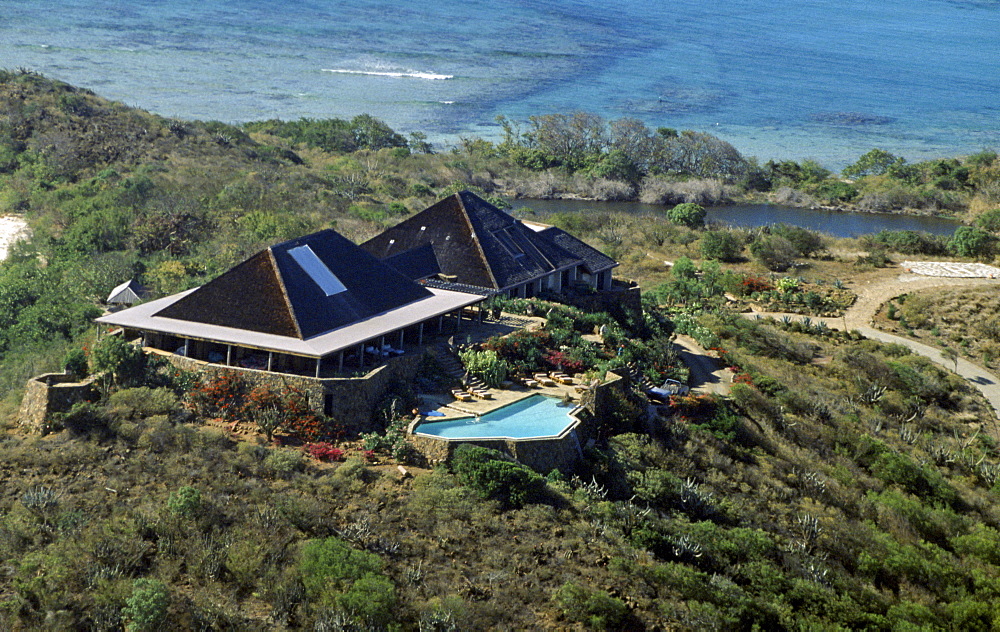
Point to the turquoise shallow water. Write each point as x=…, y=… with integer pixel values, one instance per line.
x=778, y=78
x=535, y=416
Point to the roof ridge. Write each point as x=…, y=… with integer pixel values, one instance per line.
x=475, y=237
x=284, y=293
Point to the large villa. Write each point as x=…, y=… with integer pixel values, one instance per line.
x=321, y=306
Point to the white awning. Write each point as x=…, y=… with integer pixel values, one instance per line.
x=441, y=302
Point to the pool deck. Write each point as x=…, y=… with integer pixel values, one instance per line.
x=452, y=408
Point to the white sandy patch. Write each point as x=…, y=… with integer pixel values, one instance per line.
x=12, y=228
x=953, y=270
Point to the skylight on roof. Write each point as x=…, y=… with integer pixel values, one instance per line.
x=317, y=270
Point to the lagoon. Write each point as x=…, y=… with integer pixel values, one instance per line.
x=836, y=223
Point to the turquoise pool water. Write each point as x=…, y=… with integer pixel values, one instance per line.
x=535, y=416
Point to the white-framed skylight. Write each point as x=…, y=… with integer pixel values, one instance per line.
x=317, y=270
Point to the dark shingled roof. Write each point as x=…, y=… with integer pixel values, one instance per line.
x=273, y=293
x=415, y=263
x=594, y=260
x=475, y=242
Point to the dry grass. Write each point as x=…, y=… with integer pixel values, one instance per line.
x=965, y=319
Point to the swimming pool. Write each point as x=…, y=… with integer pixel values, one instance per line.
x=531, y=417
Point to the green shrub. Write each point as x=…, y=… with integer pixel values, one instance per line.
x=76, y=363
x=774, y=252
x=486, y=365
x=594, y=608
x=968, y=241
x=687, y=214
x=284, y=462
x=723, y=245
x=141, y=402
x=805, y=241
x=493, y=478
x=335, y=575
x=146, y=609
x=185, y=502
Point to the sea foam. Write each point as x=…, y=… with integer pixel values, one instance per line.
x=411, y=74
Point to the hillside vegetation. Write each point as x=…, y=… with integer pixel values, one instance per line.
x=843, y=484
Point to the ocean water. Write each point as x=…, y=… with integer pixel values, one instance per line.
x=777, y=78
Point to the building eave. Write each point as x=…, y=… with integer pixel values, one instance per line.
x=441, y=302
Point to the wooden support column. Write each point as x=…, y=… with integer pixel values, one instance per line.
x=400, y=339
x=420, y=335
x=319, y=362
x=229, y=355
x=361, y=355
x=440, y=323
x=340, y=362
x=270, y=360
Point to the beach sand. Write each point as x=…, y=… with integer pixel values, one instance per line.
x=12, y=227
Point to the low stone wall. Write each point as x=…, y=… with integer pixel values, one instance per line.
x=542, y=454
x=51, y=393
x=352, y=400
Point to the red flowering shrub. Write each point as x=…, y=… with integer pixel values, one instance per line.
x=323, y=451
x=228, y=397
x=753, y=284
x=558, y=359
x=303, y=422
x=221, y=395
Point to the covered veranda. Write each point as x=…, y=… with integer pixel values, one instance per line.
x=349, y=350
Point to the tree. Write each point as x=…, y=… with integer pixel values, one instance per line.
x=972, y=242
x=723, y=245
x=876, y=162
x=121, y=363
x=569, y=139
x=687, y=214
x=372, y=133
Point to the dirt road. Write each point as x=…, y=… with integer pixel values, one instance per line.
x=873, y=294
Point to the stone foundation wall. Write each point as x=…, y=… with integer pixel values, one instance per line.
x=353, y=399
x=542, y=455
x=51, y=393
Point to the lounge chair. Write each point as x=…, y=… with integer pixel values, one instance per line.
x=544, y=379
x=530, y=383
x=481, y=393
x=561, y=377
x=461, y=395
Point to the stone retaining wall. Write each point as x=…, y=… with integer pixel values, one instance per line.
x=352, y=400
x=51, y=393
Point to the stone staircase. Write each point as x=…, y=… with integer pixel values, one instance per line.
x=453, y=367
